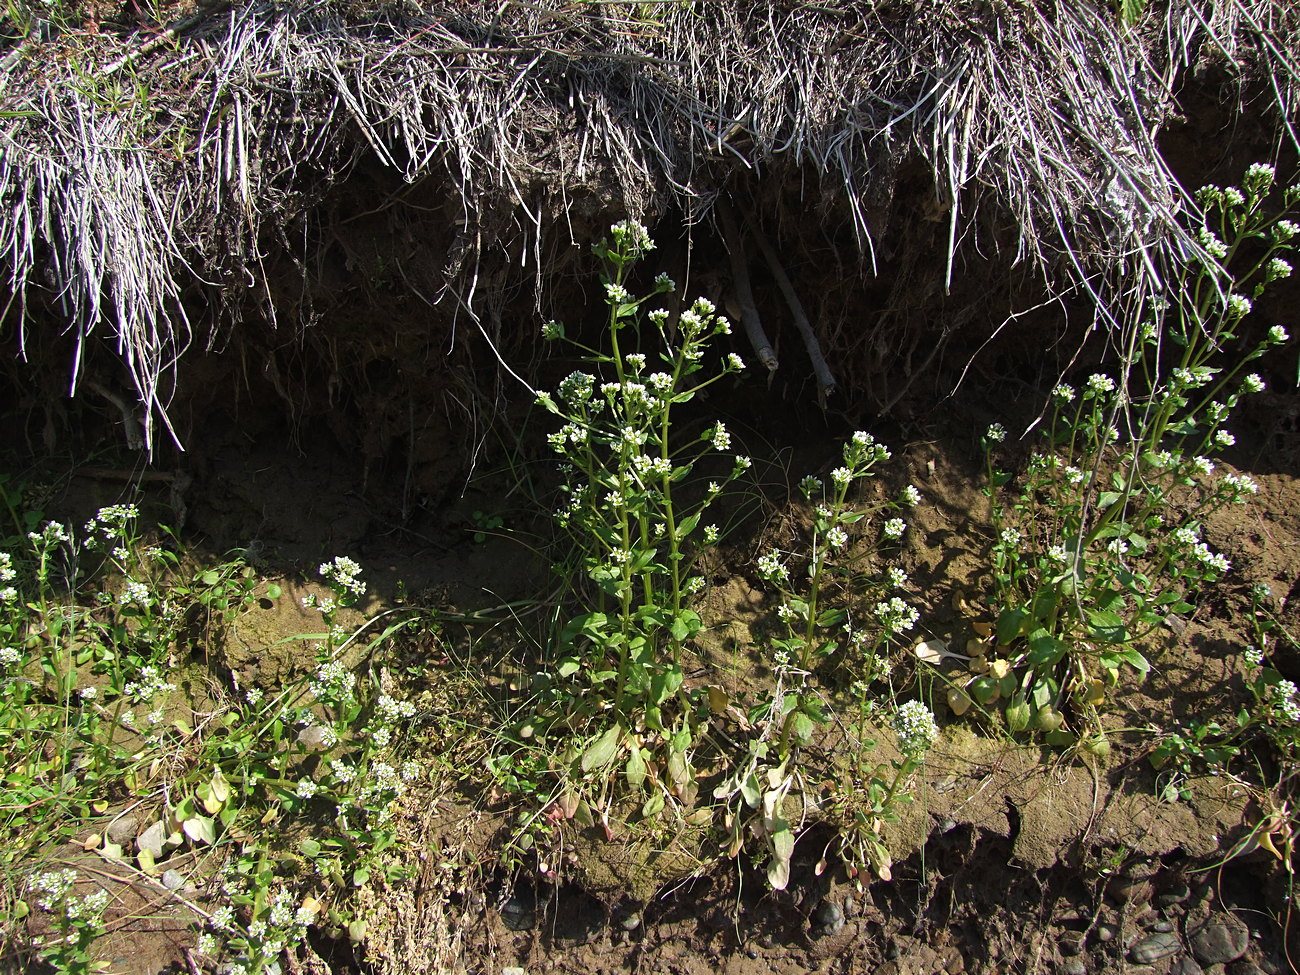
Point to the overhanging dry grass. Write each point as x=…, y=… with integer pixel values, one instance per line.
x=131, y=170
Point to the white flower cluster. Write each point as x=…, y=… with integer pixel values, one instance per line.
x=996, y=433
x=836, y=537
x=896, y=616
x=1238, y=306
x=911, y=496
x=1099, y=383
x=9, y=656
x=915, y=727
x=632, y=236
x=895, y=577
x=1284, y=230
x=1010, y=537
x=894, y=528
x=1241, y=485
x=52, y=534
x=771, y=568
x=1284, y=693
x=719, y=437
x=1213, y=246
x=7, y=574
x=135, y=592
x=392, y=709
x=1253, y=655
x=577, y=388
x=1278, y=334
x=148, y=685
x=1063, y=392
x=333, y=682
x=344, y=573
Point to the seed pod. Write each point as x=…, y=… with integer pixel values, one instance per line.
x=958, y=701
x=1048, y=718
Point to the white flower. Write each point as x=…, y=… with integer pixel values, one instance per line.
x=1117, y=546
x=9, y=656
x=742, y=463
x=1277, y=335
x=895, y=577
x=1253, y=655
x=306, y=789
x=1241, y=484
x=836, y=537
x=720, y=438
x=1057, y=553
x=1213, y=246
x=1252, y=384
x=1284, y=230
x=1238, y=305
x=894, y=528
x=659, y=316
x=841, y=475
x=1099, y=383
x=1073, y=475
x=735, y=362
x=1277, y=268
x=1063, y=392
x=1224, y=439
x=617, y=294
x=996, y=433
x=710, y=534
x=633, y=235
x=915, y=726
x=552, y=330
x=911, y=496
x=896, y=616
x=1203, y=465
x=344, y=573
x=771, y=568
x=1010, y=537
x=7, y=572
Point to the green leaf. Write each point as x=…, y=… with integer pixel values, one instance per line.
x=685, y=625
x=1009, y=623
x=665, y=685
x=1045, y=649
x=830, y=617
x=1107, y=626
x=687, y=525
x=1106, y=499
x=636, y=769
x=569, y=666
x=653, y=806
x=309, y=848
x=602, y=751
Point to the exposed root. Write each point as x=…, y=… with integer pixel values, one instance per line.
x=825, y=378
x=743, y=293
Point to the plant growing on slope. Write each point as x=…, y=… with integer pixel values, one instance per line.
x=1101, y=539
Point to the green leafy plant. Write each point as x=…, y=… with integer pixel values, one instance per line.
x=1100, y=540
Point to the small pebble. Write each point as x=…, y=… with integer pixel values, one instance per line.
x=1074, y=966
x=1071, y=944
x=1106, y=932
x=1188, y=966
x=513, y=971
x=517, y=916
x=1163, y=926
x=172, y=879
x=630, y=922
x=828, y=917
x=1154, y=948
x=751, y=951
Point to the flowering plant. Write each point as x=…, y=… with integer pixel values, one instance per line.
x=1127, y=484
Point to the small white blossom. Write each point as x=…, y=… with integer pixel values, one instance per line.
x=911, y=496
x=916, y=728
x=735, y=362
x=836, y=537
x=894, y=528
x=1238, y=305
x=1277, y=335
x=1100, y=383
x=996, y=433
x=1010, y=537
x=895, y=577
x=720, y=439
x=1063, y=392
x=1252, y=384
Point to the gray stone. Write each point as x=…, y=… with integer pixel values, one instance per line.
x=1188, y=966
x=513, y=971
x=1106, y=932
x=1244, y=966
x=122, y=831
x=1074, y=966
x=630, y=922
x=1220, y=940
x=517, y=916
x=1173, y=895
x=1071, y=943
x=172, y=879
x=1163, y=926
x=1155, y=947
x=828, y=918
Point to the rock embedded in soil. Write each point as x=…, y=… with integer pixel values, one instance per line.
x=1155, y=947
x=122, y=831
x=1188, y=966
x=1220, y=940
x=517, y=916
x=1173, y=895
x=1074, y=966
x=828, y=918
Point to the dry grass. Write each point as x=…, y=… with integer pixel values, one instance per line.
x=133, y=168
